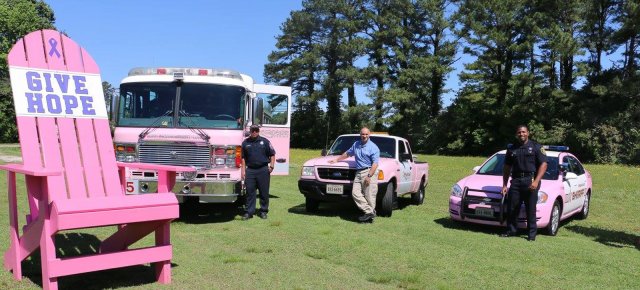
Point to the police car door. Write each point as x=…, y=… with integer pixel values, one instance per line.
x=271, y=108
x=578, y=185
x=405, y=166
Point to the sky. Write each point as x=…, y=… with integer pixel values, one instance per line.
x=121, y=35
x=238, y=34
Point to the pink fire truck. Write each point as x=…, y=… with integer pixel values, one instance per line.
x=196, y=117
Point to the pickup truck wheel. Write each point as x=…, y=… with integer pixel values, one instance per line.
x=418, y=196
x=554, y=220
x=386, y=205
x=312, y=205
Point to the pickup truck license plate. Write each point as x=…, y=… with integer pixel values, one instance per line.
x=483, y=211
x=335, y=188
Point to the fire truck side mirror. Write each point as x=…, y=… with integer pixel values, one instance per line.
x=258, y=110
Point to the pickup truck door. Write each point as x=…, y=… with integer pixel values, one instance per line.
x=271, y=108
x=404, y=169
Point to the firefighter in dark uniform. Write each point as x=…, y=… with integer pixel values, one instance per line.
x=526, y=163
x=258, y=158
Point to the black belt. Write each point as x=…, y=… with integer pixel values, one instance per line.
x=256, y=167
x=522, y=174
x=364, y=168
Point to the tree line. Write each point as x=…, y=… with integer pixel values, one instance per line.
x=537, y=62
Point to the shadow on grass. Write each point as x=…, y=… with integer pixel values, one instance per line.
x=78, y=244
x=193, y=213
x=470, y=227
x=616, y=239
x=345, y=209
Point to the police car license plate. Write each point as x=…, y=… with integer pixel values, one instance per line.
x=335, y=188
x=483, y=211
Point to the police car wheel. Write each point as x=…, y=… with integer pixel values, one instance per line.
x=585, y=207
x=386, y=205
x=554, y=220
x=418, y=197
x=311, y=205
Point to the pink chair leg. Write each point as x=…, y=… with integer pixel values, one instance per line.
x=12, y=257
x=47, y=253
x=163, y=268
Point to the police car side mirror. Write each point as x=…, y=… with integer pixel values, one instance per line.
x=324, y=152
x=570, y=175
x=475, y=169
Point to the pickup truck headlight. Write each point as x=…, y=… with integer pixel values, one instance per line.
x=307, y=171
x=542, y=196
x=456, y=190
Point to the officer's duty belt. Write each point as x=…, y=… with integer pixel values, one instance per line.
x=522, y=174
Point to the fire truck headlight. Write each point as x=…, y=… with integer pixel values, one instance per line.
x=307, y=171
x=219, y=161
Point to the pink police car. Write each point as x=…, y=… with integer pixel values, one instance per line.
x=565, y=192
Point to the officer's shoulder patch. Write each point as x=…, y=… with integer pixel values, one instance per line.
x=509, y=146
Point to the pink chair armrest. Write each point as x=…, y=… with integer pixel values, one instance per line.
x=158, y=167
x=33, y=171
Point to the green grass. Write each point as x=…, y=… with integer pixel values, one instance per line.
x=418, y=247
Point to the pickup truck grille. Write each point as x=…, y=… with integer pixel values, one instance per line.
x=337, y=173
x=175, y=154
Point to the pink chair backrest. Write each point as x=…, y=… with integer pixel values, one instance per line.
x=61, y=115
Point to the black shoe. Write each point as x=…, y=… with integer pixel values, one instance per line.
x=367, y=217
x=246, y=216
x=531, y=239
x=507, y=234
x=262, y=215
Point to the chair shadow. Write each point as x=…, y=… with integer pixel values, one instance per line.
x=73, y=244
x=611, y=238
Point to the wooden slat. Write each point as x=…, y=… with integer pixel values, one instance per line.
x=99, y=262
x=48, y=132
x=91, y=163
x=90, y=65
x=53, y=51
x=107, y=157
x=35, y=50
x=17, y=56
x=71, y=156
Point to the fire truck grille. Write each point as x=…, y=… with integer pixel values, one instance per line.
x=172, y=154
x=337, y=173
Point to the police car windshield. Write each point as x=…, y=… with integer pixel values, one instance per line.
x=494, y=167
x=387, y=146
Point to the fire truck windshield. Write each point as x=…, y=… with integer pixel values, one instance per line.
x=199, y=105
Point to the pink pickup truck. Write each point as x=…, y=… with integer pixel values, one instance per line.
x=398, y=174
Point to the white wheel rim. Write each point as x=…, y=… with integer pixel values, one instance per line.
x=555, y=217
x=585, y=208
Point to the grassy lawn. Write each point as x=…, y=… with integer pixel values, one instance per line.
x=418, y=247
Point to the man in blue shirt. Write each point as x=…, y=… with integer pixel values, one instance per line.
x=365, y=184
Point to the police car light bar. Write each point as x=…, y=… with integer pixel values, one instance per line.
x=213, y=72
x=555, y=147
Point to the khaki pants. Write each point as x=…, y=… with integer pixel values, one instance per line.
x=365, y=196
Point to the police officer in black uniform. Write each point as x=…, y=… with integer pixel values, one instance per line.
x=258, y=157
x=526, y=162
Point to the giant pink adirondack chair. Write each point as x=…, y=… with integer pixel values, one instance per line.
x=72, y=178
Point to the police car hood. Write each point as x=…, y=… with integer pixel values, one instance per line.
x=482, y=182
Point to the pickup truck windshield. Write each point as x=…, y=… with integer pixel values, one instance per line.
x=152, y=104
x=387, y=146
x=494, y=167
